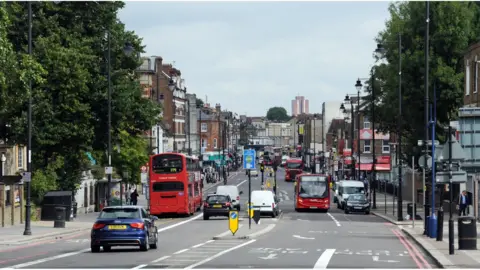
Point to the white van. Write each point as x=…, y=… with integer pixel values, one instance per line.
x=266, y=202
x=345, y=188
x=233, y=192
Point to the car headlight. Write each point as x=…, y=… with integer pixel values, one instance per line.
x=349, y=204
x=366, y=205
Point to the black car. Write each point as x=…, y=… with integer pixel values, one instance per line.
x=216, y=205
x=357, y=203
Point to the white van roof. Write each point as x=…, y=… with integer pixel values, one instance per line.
x=351, y=183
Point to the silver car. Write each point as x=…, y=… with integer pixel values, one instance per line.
x=253, y=173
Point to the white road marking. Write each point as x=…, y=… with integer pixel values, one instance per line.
x=324, y=259
x=377, y=259
x=266, y=230
x=284, y=192
x=140, y=266
x=209, y=241
x=239, y=184
x=199, y=245
x=27, y=264
x=180, y=223
x=334, y=219
x=219, y=254
x=301, y=237
x=160, y=259
x=228, y=232
x=181, y=251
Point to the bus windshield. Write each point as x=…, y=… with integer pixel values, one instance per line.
x=313, y=187
x=294, y=165
x=167, y=164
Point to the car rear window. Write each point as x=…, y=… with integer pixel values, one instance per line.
x=217, y=198
x=120, y=213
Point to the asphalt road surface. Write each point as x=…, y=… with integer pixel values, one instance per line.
x=295, y=240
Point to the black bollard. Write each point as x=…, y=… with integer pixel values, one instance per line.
x=440, y=224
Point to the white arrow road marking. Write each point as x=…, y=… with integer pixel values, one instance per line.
x=377, y=259
x=324, y=259
x=269, y=257
x=301, y=237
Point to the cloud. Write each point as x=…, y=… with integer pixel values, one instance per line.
x=250, y=57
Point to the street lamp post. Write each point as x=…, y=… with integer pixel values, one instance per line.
x=28, y=205
x=172, y=86
x=358, y=86
x=314, y=144
x=352, y=121
x=199, y=107
x=381, y=51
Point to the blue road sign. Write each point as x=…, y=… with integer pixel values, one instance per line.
x=249, y=157
x=233, y=215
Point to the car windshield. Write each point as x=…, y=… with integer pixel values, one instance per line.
x=217, y=199
x=356, y=197
x=354, y=190
x=119, y=213
x=313, y=189
x=294, y=165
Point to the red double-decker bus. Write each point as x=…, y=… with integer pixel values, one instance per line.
x=312, y=191
x=175, y=184
x=293, y=167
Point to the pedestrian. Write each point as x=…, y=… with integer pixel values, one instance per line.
x=134, y=197
x=463, y=203
x=127, y=195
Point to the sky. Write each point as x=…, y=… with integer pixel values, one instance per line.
x=250, y=56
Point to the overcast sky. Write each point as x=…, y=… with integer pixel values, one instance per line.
x=252, y=56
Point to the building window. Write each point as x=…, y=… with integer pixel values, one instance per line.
x=20, y=157
x=366, y=122
x=204, y=127
x=386, y=146
x=467, y=78
x=475, y=77
x=366, y=146
x=214, y=143
x=203, y=142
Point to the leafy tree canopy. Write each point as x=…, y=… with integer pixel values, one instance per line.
x=200, y=102
x=277, y=114
x=69, y=73
x=453, y=27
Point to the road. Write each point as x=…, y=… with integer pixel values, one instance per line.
x=295, y=240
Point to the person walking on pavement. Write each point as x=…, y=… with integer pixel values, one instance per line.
x=134, y=197
x=463, y=203
x=224, y=176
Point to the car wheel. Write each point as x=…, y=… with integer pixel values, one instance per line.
x=367, y=212
x=346, y=211
x=274, y=214
x=107, y=248
x=205, y=217
x=144, y=247
x=154, y=245
x=94, y=249
x=238, y=208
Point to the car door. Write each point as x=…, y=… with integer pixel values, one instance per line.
x=148, y=223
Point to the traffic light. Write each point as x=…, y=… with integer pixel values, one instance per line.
x=262, y=167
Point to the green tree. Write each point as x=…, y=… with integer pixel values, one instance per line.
x=199, y=102
x=277, y=114
x=453, y=26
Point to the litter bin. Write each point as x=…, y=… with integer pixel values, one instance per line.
x=467, y=233
x=410, y=209
x=60, y=217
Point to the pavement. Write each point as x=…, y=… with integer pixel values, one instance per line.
x=292, y=240
x=437, y=250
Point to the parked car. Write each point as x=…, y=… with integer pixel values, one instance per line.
x=129, y=225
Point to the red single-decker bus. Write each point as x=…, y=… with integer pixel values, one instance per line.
x=312, y=192
x=172, y=184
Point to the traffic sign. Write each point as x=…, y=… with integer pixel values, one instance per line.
x=26, y=176
x=233, y=221
x=256, y=216
x=249, y=159
x=108, y=170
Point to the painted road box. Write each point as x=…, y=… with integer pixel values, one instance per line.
x=233, y=221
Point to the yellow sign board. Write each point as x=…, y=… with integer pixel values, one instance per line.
x=233, y=221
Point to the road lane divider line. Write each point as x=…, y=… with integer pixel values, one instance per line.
x=324, y=259
x=241, y=183
x=228, y=232
x=44, y=260
x=219, y=254
x=199, y=245
x=334, y=220
x=161, y=259
x=413, y=251
x=140, y=266
x=180, y=223
x=263, y=231
x=181, y=251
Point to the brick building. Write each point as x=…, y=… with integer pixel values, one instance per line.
x=472, y=61
x=210, y=124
